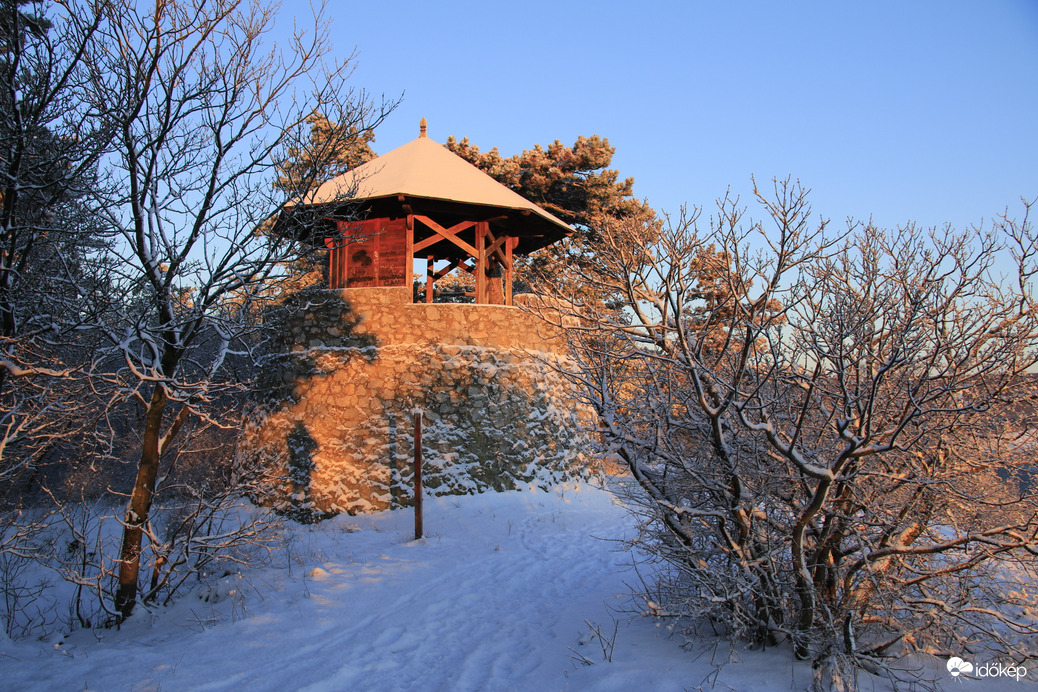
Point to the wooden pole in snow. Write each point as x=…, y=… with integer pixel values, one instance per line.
x=417, y=475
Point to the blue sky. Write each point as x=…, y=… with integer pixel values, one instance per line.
x=909, y=110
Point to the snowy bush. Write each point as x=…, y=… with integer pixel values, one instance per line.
x=821, y=425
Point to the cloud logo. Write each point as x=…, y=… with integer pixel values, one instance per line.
x=957, y=667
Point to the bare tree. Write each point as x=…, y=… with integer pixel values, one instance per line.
x=50, y=143
x=204, y=112
x=823, y=427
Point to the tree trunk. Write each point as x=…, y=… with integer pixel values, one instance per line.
x=140, y=506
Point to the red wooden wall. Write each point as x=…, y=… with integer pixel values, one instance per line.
x=370, y=253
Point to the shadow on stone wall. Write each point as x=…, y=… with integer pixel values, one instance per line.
x=300, y=505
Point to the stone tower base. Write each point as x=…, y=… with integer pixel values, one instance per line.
x=331, y=429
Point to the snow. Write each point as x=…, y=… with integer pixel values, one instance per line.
x=498, y=596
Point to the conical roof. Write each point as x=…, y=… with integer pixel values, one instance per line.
x=425, y=169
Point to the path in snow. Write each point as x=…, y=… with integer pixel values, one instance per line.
x=492, y=599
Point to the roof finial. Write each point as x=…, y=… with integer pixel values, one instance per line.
x=422, y=127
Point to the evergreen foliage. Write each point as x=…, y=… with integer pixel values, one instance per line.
x=331, y=149
x=575, y=184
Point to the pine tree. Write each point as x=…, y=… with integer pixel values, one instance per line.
x=16, y=26
x=332, y=149
x=575, y=184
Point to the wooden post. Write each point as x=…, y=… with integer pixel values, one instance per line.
x=481, y=262
x=510, y=246
x=417, y=475
x=430, y=276
x=495, y=289
x=409, y=249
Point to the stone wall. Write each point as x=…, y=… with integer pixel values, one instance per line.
x=325, y=318
x=331, y=426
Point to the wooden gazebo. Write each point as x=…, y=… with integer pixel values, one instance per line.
x=421, y=201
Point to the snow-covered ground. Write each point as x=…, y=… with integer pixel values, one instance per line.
x=494, y=598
